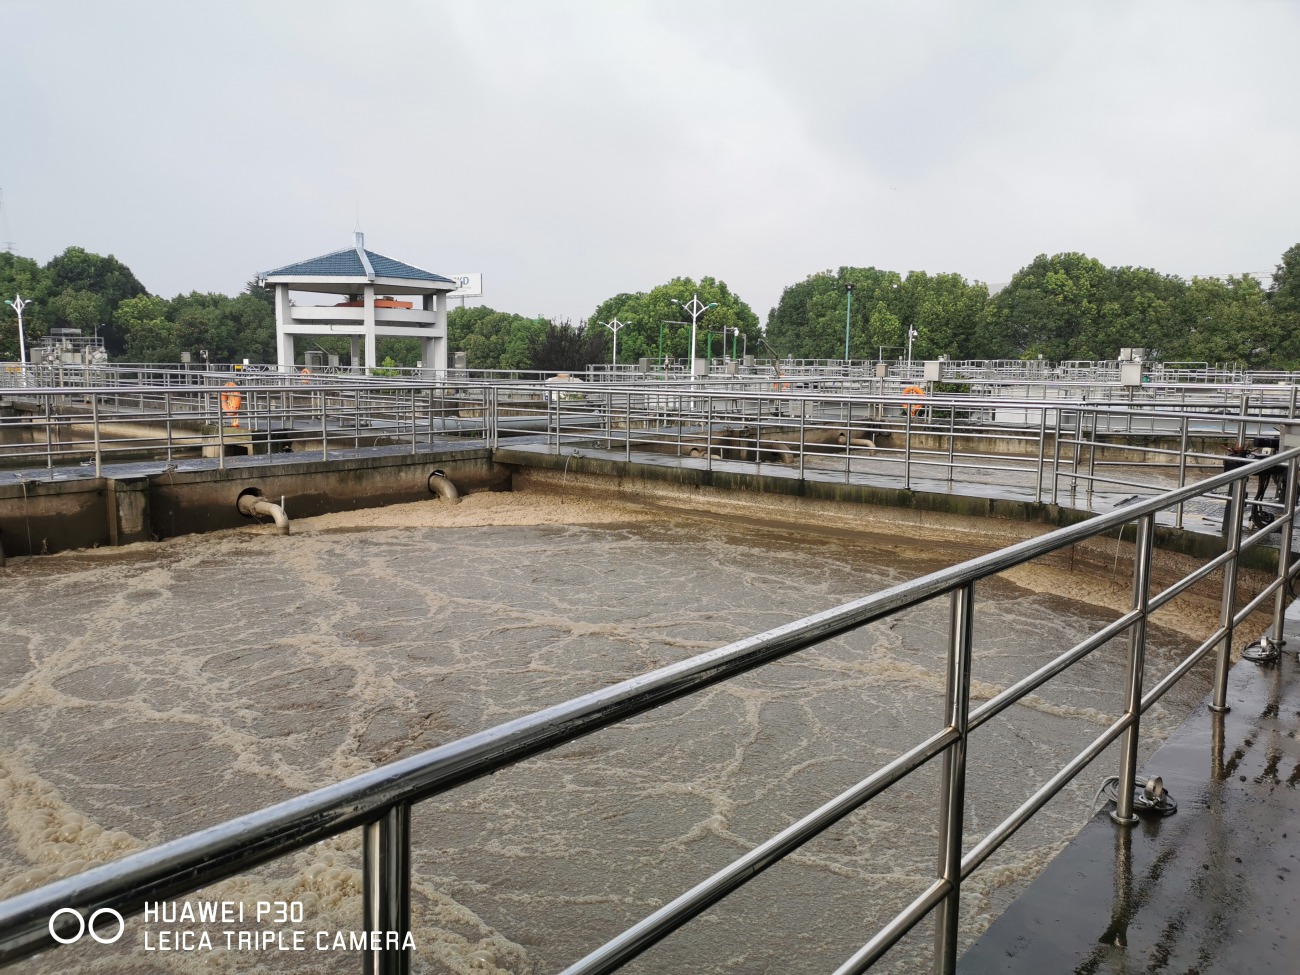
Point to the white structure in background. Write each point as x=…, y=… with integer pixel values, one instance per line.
x=370, y=284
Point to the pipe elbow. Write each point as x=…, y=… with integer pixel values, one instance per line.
x=440, y=484
x=254, y=506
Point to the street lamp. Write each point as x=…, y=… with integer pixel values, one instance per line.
x=848, y=310
x=695, y=308
x=911, y=334
x=614, y=326
x=18, y=305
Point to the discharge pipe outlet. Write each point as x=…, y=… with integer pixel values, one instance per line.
x=440, y=484
x=252, y=505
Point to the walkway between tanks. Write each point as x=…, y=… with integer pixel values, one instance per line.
x=1215, y=888
x=885, y=471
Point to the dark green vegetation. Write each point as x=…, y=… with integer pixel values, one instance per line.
x=1064, y=307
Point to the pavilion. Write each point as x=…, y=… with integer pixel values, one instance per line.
x=370, y=284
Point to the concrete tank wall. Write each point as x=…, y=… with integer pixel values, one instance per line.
x=38, y=517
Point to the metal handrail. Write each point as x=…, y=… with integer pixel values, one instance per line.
x=379, y=801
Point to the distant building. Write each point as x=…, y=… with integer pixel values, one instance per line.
x=381, y=296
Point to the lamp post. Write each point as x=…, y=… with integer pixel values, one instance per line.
x=614, y=326
x=695, y=308
x=911, y=334
x=18, y=305
x=848, y=310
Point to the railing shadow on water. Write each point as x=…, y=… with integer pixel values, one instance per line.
x=379, y=802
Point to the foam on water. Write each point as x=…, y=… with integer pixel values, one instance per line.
x=149, y=691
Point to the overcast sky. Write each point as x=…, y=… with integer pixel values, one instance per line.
x=573, y=150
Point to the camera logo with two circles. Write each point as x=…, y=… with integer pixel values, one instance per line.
x=84, y=926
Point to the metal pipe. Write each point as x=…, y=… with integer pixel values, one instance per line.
x=441, y=485
x=254, y=505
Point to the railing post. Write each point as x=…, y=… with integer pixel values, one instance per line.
x=1137, y=641
x=386, y=894
x=708, y=434
x=1042, y=450
x=1284, y=552
x=221, y=436
x=1227, y=608
x=627, y=452
x=803, y=419
x=94, y=424
x=1056, y=454
x=907, y=447
x=324, y=428
x=1182, y=470
x=952, y=796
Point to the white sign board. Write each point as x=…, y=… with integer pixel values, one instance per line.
x=471, y=286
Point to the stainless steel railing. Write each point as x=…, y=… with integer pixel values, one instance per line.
x=379, y=802
x=1047, y=450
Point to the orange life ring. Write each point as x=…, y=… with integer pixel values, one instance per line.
x=781, y=387
x=914, y=391
x=230, y=404
x=306, y=375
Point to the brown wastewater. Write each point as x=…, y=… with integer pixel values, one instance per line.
x=150, y=691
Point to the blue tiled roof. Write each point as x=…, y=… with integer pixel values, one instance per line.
x=346, y=263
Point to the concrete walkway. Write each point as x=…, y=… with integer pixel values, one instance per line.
x=1215, y=888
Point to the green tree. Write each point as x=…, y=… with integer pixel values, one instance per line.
x=493, y=339
x=944, y=310
x=648, y=315
x=107, y=279
x=150, y=337
x=1284, y=300
x=1228, y=322
x=1050, y=308
x=18, y=276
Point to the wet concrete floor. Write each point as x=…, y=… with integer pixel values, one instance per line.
x=1214, y=888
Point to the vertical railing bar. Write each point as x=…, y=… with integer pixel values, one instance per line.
x=708, y=433
x=1056, y=455
x=907, y=446
x=221, y=435
x=1123, y=813
x=952, y=438
x=167, y=413
x=627, y=452
x=952, y=797
x=94, y=423
x=1182, y=470
x=386, y=888
x=324, y=427
x=1042, y=453
x=803, y=421
x=1229, y=599
x=1287, y=518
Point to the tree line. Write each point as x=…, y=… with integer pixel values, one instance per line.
x=1063, y=307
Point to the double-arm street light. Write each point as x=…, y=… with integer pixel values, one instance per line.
x=18, y=305
x=614, y=326
x=695, y=308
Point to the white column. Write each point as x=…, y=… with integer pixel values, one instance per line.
x=368, y=322
x=437, y=359
x=283, y=324
x=356, y=351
